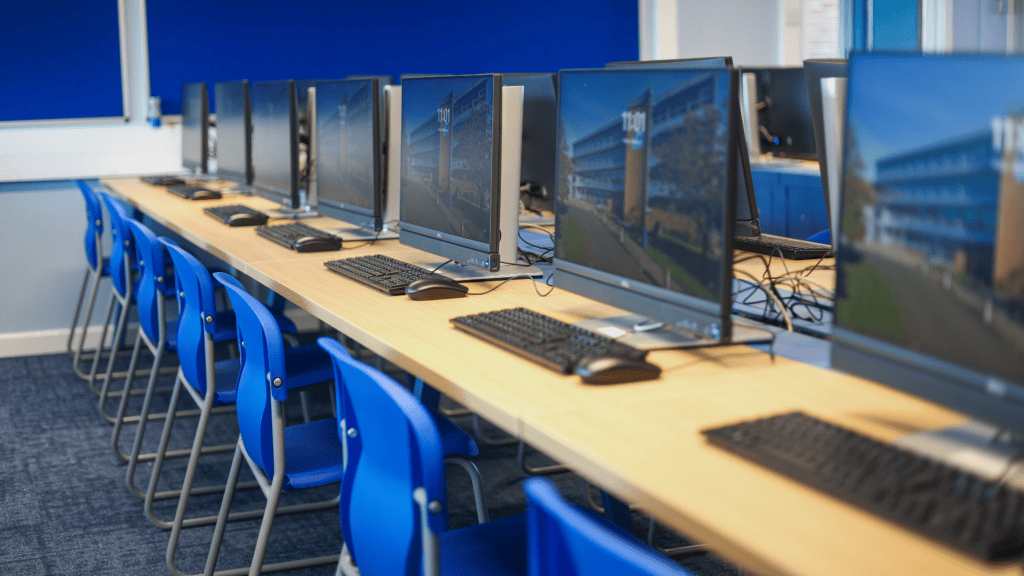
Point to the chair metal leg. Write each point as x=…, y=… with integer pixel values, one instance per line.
x=478, y=433
x=85, y=328
x=100, y=345
x=126, y=391
x=304, y=401
x=676, y=552
x=482, y=514
x=539, y=470
x=78, y=310
x=193, y=460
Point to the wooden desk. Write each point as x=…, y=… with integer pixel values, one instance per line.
x=639, y=441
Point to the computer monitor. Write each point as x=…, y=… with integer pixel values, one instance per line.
x=350, y=166
x=540, y=116
x=747, y=216
x=784, y=115
x=195, y=127
x=644, y=213
x=814, y=71
x=234, y=131
x=275, y=146
x=460, y=151
x=932, y=222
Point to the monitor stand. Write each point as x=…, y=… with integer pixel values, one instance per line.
x=463, y=273
x=973, y=446
x=358, y=233
x=291, y=213
x=644, y=334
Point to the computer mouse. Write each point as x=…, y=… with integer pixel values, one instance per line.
x=246, y=219
x=316, y=244
x=615, y=370
x=435, y=288
x=204, y=194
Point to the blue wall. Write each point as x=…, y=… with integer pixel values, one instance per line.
x=196, y=41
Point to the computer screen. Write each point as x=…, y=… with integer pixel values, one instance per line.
x=932, y=225
x=814, y=71
x=450, y=180
x=540, y=116
x=195, y=126
x=643, y=217
x=349, y=162
x=275, y=142
x=234, y=146
x=784, y=115
x=747, y=216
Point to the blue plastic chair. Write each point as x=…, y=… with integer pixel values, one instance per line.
x=282, y=459
x=393, y=498
x=97, y=268
x=565, y=540
x=160, y=336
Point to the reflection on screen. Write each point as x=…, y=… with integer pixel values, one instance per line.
x=345, y=147
x=272, y=136
x=447, y=147
x=643, y=175
x=933, y=208
x=192, y=133
x=232, y=149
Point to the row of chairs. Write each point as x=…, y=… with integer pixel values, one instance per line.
x=387, y=450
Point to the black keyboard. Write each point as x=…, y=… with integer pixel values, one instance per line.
x=978, y=516
x=237, y=215
x=381, y=272
x=300, y=237
x=162, y=180
x=192, y=192
x=542, y=339
x=790, y=248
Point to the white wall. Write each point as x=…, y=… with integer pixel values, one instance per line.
x=747, y=30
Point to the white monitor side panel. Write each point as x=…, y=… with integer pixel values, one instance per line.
x=511, y=156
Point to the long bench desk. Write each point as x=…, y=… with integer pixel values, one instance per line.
x=640, y=441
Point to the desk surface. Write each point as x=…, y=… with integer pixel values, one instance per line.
x=639, y=441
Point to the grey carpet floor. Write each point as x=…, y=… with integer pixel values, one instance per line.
x=65, y=509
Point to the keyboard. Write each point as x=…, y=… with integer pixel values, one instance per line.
x=977, y=516
x=192, y=192
x=542, y=339
x=300, y=237
x=162, y=180
x=237, y=215
x=790, y=248
x=381, y=272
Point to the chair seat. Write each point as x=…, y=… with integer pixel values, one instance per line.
x=495, y=548
x=307, y=365
x=313, y=454
x=455, y=440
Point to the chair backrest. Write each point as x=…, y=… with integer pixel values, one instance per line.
x=195, y=304
x=121, y=248
x=93, y=224
x=565, y=540
x=393, y=448
x=153, y=282
x=262, y=357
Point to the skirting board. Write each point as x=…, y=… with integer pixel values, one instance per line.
x=51, y=341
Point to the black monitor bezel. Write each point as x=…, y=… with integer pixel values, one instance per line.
x=744, y=227
x=188, y=163
x=711, y=319
x=287, y=198
x=372, y=218
x=227, y=174
x=988, y=398
x=463, y=250
x=815, y=70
